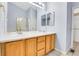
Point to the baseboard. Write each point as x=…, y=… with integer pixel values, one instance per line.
x=63, y=53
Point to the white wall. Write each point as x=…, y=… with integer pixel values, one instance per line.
x=69, y=26
x=61, y=22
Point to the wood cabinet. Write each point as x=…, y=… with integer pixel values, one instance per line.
x=31, y=47
x=53, y=41
x=0, y=50
x=41, y=46
x=15, y=48
x=36, y=46
x=41, y=52
x=50, y=43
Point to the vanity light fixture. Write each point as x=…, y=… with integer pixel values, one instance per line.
x=38, y=4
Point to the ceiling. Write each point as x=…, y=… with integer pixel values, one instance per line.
x=24, y=5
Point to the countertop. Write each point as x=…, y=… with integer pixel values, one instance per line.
x=13, y=36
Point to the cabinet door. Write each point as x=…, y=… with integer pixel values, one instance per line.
x=53, y=42
x=48, y=44
x=15, y=48
x=0, y=50
x=31, y=47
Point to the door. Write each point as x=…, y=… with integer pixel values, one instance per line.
x=31, y=47
x=15, y=48
x=52, y=42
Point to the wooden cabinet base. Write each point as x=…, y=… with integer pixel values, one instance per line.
x=48, y=44
x=37, y=46
x=2, y=49
x=31, y=47
x=41, y=52
x=49, y=52
x=41, y=46
x=15, y=48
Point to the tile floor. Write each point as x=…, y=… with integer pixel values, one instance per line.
x=54, y=53
x=76, y=48
x=76, y=53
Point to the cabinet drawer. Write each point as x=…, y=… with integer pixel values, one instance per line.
x=41, y=45
x=40, y=39
x=41, y=52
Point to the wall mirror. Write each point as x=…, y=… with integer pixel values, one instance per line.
x=21, y=17
x=48, y=19
x=43, y=18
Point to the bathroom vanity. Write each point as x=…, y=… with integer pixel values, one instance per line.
x=27, y=43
